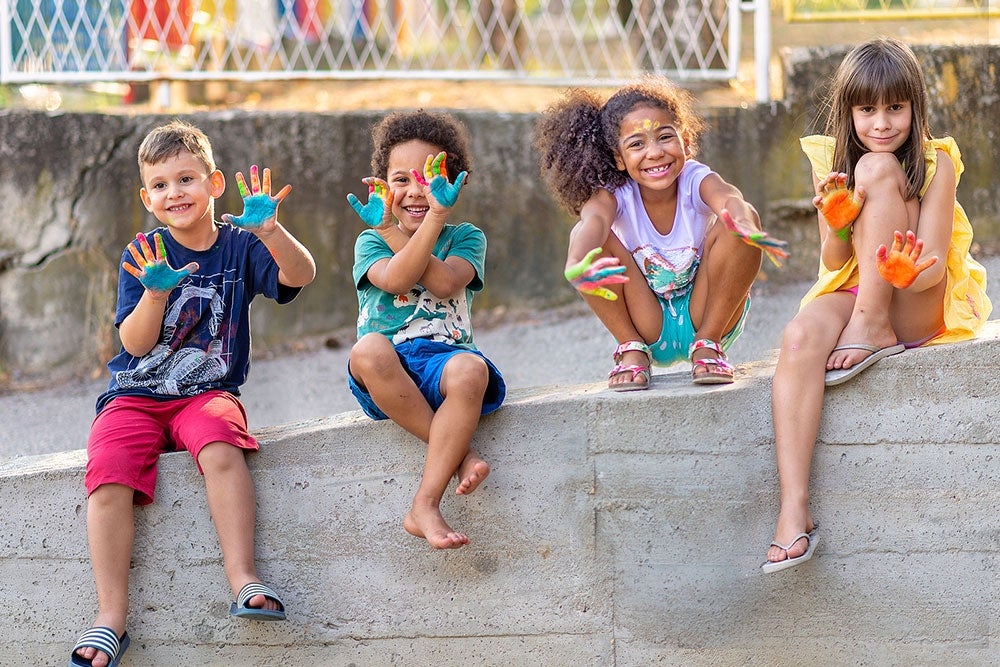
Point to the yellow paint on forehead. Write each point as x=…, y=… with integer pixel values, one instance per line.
x=646, y=125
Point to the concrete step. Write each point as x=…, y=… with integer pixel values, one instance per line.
x=615, y=529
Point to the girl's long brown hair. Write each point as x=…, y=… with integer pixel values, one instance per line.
x=880, y=71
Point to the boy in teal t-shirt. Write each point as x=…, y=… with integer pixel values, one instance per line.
x=415, y=361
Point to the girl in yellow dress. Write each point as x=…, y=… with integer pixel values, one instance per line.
x=895, y=270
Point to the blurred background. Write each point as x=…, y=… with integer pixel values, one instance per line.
x=183, y=55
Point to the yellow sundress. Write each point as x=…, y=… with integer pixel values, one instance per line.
x=966, y=306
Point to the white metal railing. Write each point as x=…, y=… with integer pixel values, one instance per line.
x=552, y=41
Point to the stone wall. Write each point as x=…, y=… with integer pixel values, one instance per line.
x=69, y=191
x=615, y=529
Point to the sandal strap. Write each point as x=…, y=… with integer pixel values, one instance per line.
x=102, y=638
x=720, y=362
x=257, y=588
x=632, y=346
x=634, y=370
x=708, y=343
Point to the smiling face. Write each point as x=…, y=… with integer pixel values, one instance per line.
x=179, y=191
x=409, y=204
x=882, y=127
x=651, y=148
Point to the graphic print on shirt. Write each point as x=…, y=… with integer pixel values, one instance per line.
x=670, y=273
x=434, y=318
x=192, y=348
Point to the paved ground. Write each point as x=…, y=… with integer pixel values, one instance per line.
x=562, y=346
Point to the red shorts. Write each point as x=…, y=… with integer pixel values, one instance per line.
x=129, y=434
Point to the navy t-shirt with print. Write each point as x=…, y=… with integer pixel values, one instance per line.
x=204, y=340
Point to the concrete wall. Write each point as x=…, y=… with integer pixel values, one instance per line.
x=616, y=529
x=68, y=191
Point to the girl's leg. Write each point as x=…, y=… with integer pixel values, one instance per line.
x=463, y=384
x=885, y=210
x=110, y=533
x=796, y=405
x=232, y=504
x=721, y=287
x=635, y=315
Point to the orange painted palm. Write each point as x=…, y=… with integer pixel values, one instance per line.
x=901, y=264
x=840, y=207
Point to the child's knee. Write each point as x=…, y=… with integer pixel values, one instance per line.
x=373, y=351
x=220, y=456
x=875, y=168
x=466, y=370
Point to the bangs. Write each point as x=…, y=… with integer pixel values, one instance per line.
x=882, y=84
x=881, y=73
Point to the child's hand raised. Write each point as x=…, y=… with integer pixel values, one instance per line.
x=436, y=176
x=378, y=211
x=775, y=249
x=839, y=205
x=590, y=277
x=153, y=271
x=260, y=209
x=898, y=265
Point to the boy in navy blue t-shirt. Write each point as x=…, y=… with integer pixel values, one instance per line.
x=185, y=352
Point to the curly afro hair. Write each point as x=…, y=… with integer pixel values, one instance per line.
x=438, y=129
x=577, y=137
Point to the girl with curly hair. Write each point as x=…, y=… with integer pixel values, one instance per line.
x=649, y=254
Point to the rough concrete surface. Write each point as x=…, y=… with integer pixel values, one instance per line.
x=616, y=530
x=564, y=347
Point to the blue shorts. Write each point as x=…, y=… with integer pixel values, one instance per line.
x=678, y=331
x=424, y=360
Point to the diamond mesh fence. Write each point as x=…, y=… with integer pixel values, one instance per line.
x=543, y=40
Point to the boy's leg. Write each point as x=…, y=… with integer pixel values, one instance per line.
x=232, y=504
x=375, y=366
x=110, y=533
x=463, y=385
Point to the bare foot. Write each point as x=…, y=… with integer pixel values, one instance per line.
x=880, y=335
x=471, y=473
x=430, y=525
x=789, y=525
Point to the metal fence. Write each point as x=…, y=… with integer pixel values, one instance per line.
x=570, y=41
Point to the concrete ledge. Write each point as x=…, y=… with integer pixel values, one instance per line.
x=621, y=529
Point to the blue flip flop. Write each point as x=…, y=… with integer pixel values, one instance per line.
x=240, y=608
x=103, y=639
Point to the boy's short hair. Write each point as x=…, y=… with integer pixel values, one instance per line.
x=166, y=141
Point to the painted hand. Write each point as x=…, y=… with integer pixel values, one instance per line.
x=153, y=271
x=259, y=208
x=436, y=175
x=590, y=277
x=839, y=205
x=899, y=266
x=378, y=211
x=775, y=249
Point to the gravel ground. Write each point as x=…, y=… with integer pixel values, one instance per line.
x=560, y=346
